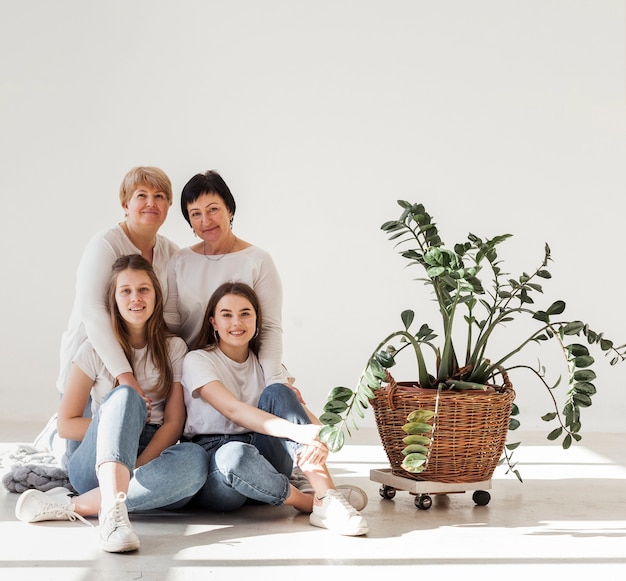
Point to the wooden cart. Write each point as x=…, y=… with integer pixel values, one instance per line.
x=423, y=489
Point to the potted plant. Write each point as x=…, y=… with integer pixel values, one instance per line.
x=474, y=297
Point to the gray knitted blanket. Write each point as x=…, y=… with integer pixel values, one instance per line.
x=28, y=467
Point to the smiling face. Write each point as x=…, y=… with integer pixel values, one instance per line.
x=235, y=322
x=210, y=218
x=135, y=297
x=147, y=206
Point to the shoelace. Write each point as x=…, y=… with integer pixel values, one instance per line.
x=343, y=501
x=115, y=514
x=62, y=512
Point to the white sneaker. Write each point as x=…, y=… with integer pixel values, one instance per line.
x=116, y=532
x=356, y=496
x=55, y=504
x=337, y=514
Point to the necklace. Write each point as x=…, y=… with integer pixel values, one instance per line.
x=222, y=256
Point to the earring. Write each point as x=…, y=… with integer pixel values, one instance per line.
x=216, y=335
x=256, y=333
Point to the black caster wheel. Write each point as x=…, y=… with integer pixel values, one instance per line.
x=481, y=497
x=423, y=502
x=387, y=492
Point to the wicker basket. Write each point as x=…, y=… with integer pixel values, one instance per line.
x=469, y=430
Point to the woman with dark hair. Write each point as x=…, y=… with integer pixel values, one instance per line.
x=128, y=458
x=253, y=434
x=195, y=272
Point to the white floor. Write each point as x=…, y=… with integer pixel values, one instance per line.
x=568, y=518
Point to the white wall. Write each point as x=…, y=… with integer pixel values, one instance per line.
x=501, y=116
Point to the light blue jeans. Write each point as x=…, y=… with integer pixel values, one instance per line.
x=252, y=466
x=119, y=433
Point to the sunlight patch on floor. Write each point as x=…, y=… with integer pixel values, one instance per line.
x=551, y=462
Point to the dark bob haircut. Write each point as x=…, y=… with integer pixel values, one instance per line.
x=209, y=182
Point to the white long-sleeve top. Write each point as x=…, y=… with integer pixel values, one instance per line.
x=90, y=317
x=192, y=279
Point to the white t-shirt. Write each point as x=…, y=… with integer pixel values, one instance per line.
x=244, y=380
x=192, y=279
x=90, y=316
x=145, y=372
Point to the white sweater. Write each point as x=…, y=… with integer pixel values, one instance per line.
x=90, y=316
x=192, y=279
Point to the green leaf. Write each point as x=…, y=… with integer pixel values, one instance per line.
x=333, y=437
x=554, y=434
x=567, y=442
x=365, y=392
x=335, y=406
x=585, y=375
x=512, y=446
x=585, y=387
x=543, y=274
x=606, y=345
x=330, y=418
x=549, y=417
x=340, y=393
x=370, y=380
x=435, y=271
x=582, y=399
x=573, y=328
x=583, y=361
x=575, y=427
x=524, y=298
x=541, y=316
x=514, y=424
x=576, y=349
x=556, y=308
x=377, y=369
x=385, y=359
x=407, y=318
x=415, y=460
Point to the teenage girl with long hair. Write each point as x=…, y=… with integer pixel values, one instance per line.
x=253, y=434
x=123, y=463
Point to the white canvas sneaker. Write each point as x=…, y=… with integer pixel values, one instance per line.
x=337, y=514
x=55, y=504
x=116, y=532
x=357, y=497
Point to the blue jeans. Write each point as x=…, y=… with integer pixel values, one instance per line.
x=119, y=433
x=252, y=466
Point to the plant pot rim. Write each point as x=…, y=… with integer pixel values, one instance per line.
x=414, y=386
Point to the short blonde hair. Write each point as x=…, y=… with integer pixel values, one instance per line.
x=145, y=176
